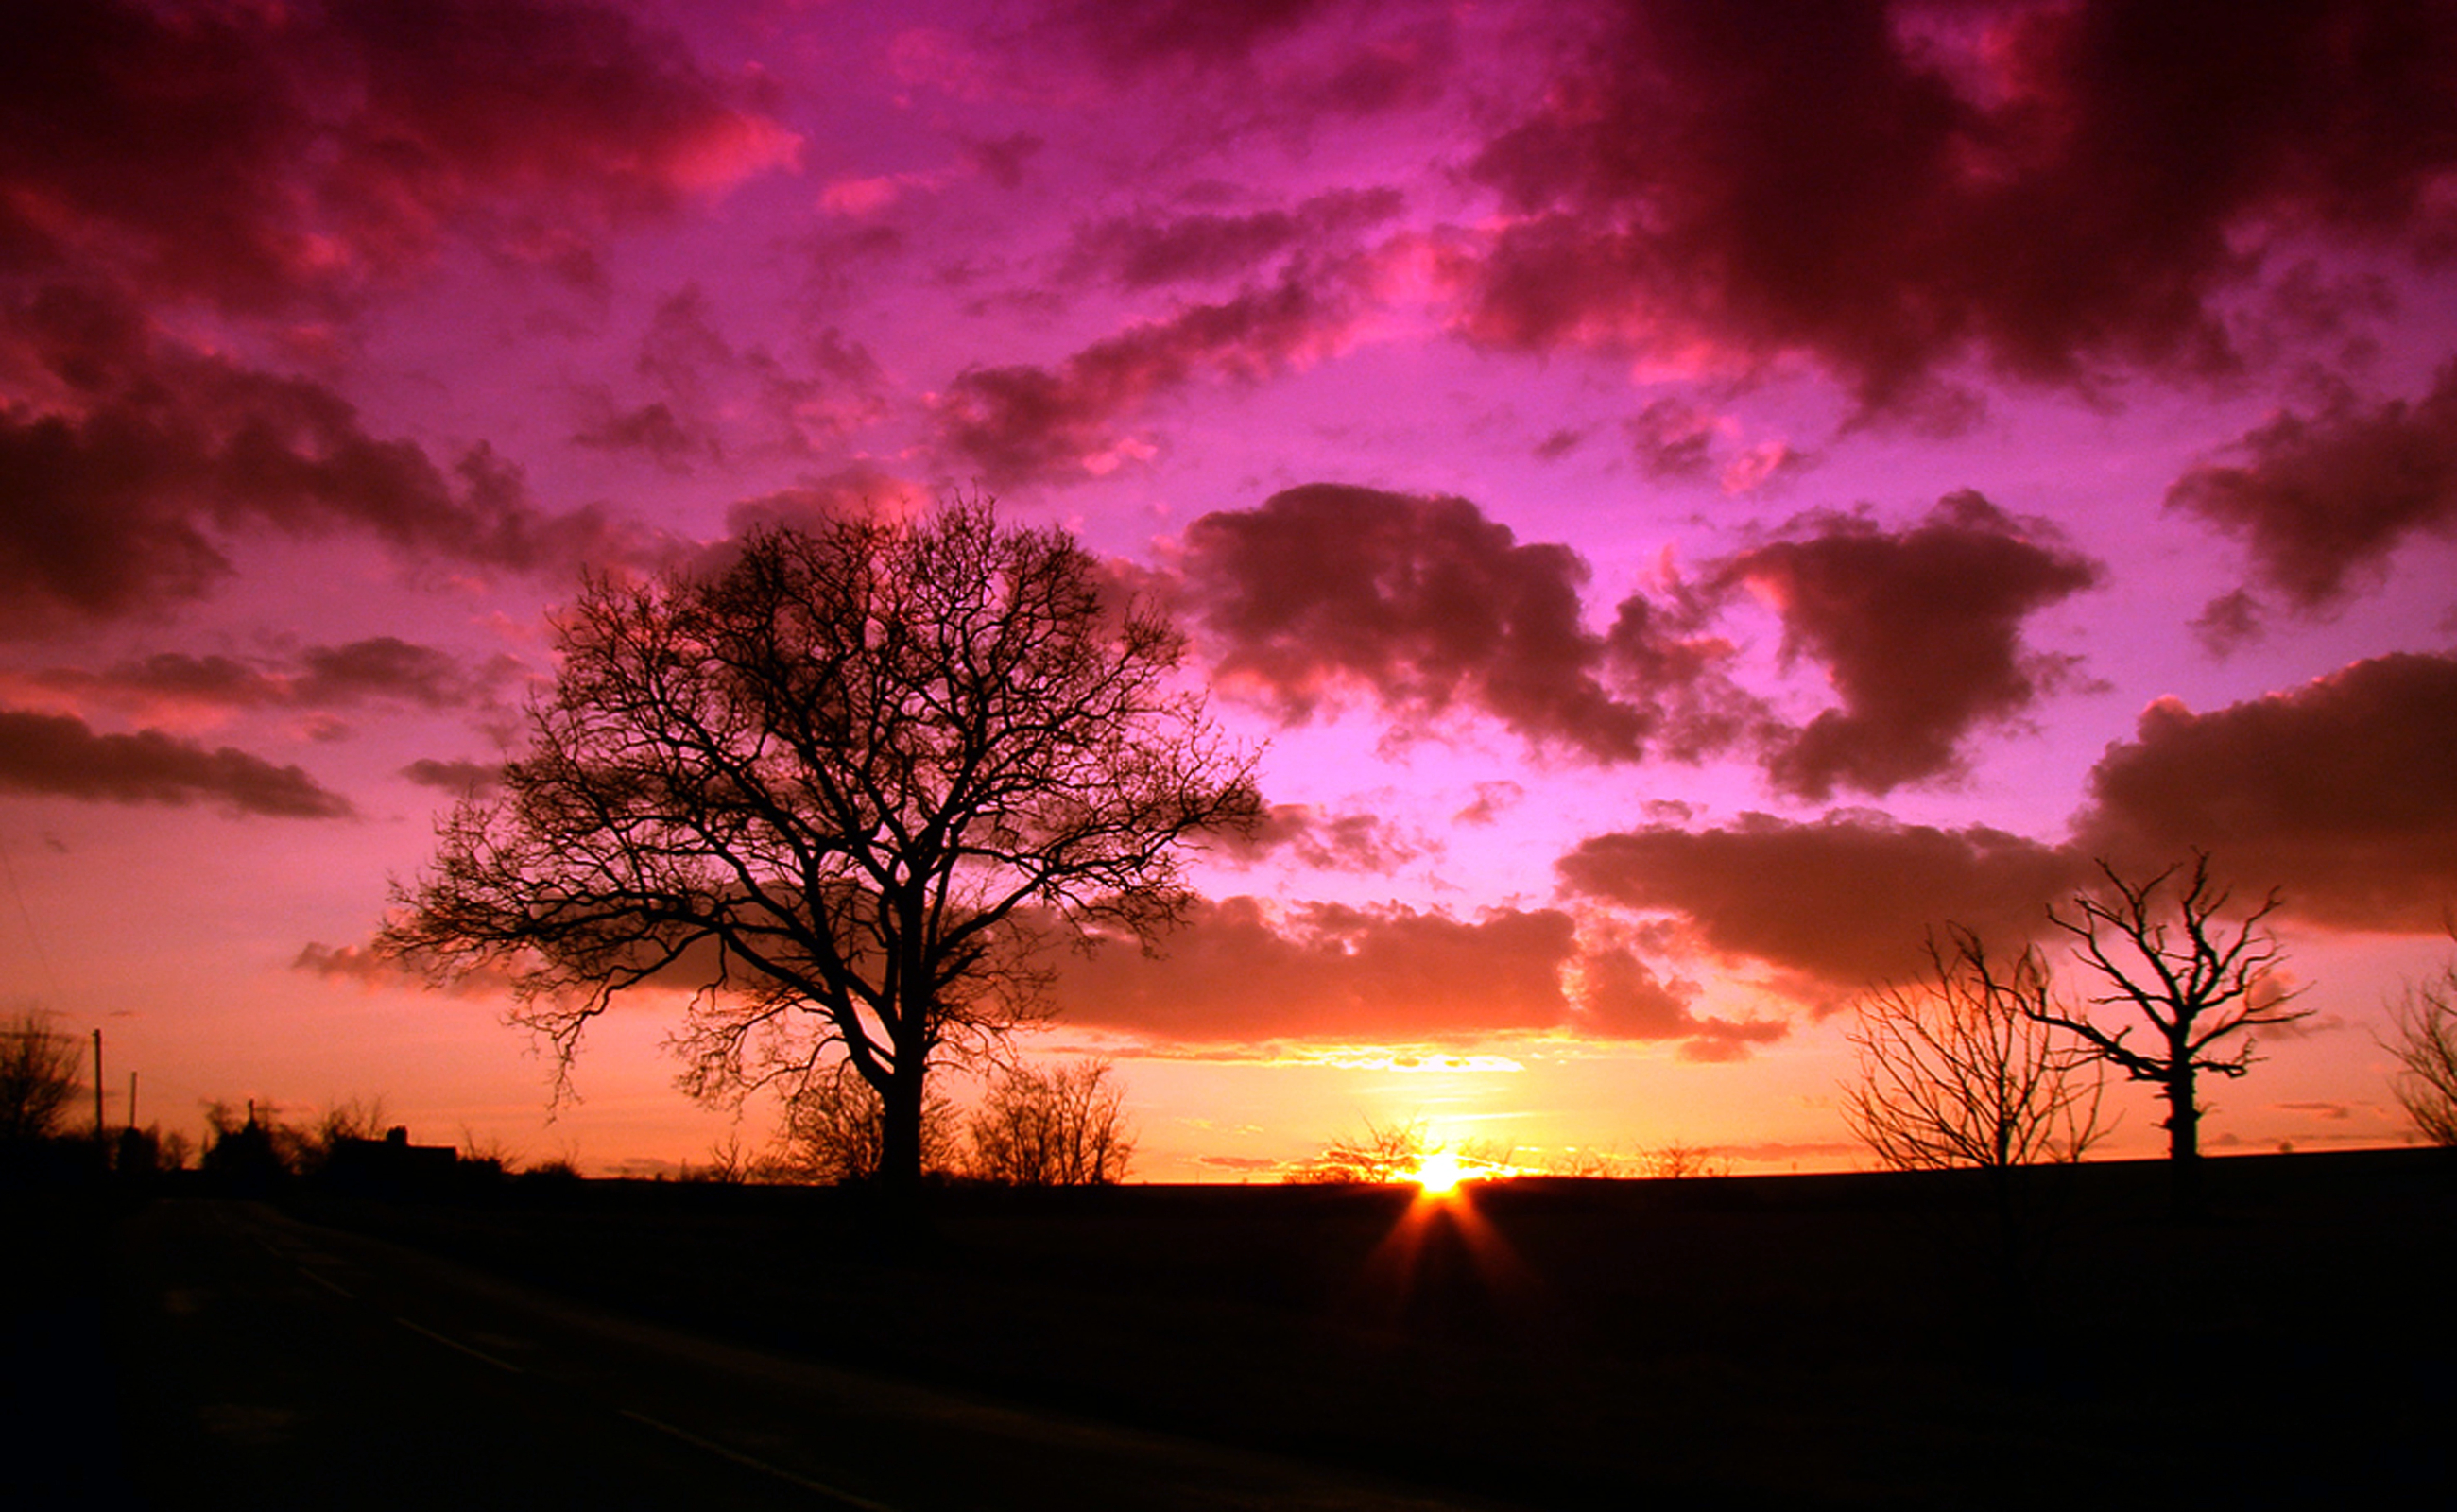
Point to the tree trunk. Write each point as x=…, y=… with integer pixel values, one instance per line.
x=2183, y=1144
x=899, y=1134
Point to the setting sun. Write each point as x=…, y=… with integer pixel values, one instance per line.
x=1440, y=1173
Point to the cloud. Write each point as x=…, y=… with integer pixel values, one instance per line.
x=1920, y=632
x=1837, y=904
x=1023, y=423
x=1243, y=970
x=1432, y=609
x=1621, y=997
x=370, y=969
x=255, y=156
x=1346, y=842
x=2342, y=792
x=61, y=757
x=2322, y=499
x=378, y=668
x=1141, y=252
x=150, y=456
x=460, y=779
x=1885, y=189
x=1138, y=34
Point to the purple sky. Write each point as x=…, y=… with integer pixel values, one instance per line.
x=1692, y=496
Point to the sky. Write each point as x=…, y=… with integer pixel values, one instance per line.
x=1685, y=500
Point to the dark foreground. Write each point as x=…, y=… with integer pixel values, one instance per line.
x=1824, y=1342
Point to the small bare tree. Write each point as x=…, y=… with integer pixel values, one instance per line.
x=834, y=1133
x=1063, y=1127
x=38, y=1079
x=2426, y=1049
x=2205, y=985
x=1961, y=1067
x=1385, y=1152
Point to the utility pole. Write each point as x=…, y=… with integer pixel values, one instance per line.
x=97, y=1087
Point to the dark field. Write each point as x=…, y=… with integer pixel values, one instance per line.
x=1806, y=1341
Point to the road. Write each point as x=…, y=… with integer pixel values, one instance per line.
x=267, y=1363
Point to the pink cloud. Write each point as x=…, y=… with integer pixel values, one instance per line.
x=1244, y=971
x=1150, y=251
x=1348, y=843
x=1023, y=423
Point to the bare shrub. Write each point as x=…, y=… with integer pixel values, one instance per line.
x=38, y=1079
x=1382, y=1153
x=1962, y=1067
x=1676, y=1161
x=834, y=1133
x=2426, y=1047
x=1063, y=1127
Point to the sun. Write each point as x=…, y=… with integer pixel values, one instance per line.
x=1439, y=1174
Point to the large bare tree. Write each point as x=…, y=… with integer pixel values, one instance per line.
x=843, y=788
x=1958, y=1069
x=2165, y=948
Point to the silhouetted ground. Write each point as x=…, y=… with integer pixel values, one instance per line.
x=1805, y=1341
x=1825, y=1339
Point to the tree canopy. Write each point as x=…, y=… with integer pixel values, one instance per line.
x=843, y=788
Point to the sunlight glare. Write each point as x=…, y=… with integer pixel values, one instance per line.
x=1440, y=1174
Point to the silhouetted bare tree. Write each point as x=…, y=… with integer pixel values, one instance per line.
x=1063, y=1126
x=38, y=1079
x=2166, y=951
x=831, y=787
x=1677, y=1160
x=1961, y=1067
x=1385, y=1152
x=2426, y=1049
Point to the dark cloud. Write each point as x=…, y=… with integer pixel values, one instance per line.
x=460, y=779
x=388, y=667
x=1888, y=188
x=1141, y=252
x=1023, y=423
x=1343, y=842
x=1138, y=35
x=2322, y=499
x=652, y=429
x=2342, y=792
x=60, y=757
x=1920, y=632
x=1003, y=159
x=380, y=669
x=1674, y=441
x=1429, y=607
x=1835, y=906
x=1244, y=971
x=254, y=155
x=125, y=488
x=713, y=390
x=1423, y=600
